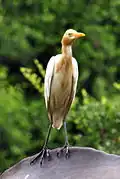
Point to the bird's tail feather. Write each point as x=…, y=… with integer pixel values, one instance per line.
x=57, y=121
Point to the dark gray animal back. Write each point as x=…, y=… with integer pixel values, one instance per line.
x=84, y=163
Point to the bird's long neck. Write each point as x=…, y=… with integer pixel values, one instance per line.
x=67, y=51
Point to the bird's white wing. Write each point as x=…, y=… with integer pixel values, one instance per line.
x=73, y=87
x=75, y=76
x=48, y=79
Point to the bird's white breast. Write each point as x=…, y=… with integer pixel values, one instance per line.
x=61, y=86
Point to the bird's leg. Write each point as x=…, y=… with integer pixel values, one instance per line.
x=66, y=135
x=44, y=152
x=66, y=145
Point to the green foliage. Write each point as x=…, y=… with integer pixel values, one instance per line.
x=98, y=121
x=18, y=121
x=33, y=77
x=117, y=86
x=13, y=125
x=33, y=29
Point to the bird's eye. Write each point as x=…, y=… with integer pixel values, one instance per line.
x=70, y=34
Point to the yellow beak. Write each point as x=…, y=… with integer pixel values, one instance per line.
x=78, y=35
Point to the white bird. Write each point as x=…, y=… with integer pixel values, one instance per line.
x=60, y=87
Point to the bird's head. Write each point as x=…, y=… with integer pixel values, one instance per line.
x=70, y=35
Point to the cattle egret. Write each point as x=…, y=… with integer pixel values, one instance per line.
x=60, y=89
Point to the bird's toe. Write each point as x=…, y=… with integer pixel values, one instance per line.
x=63, y=150
x=67, y=153
x=41, y=156
x=48, y=155
x=59, y=153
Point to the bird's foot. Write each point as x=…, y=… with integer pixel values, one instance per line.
x=65, y=149
x=41, y=156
